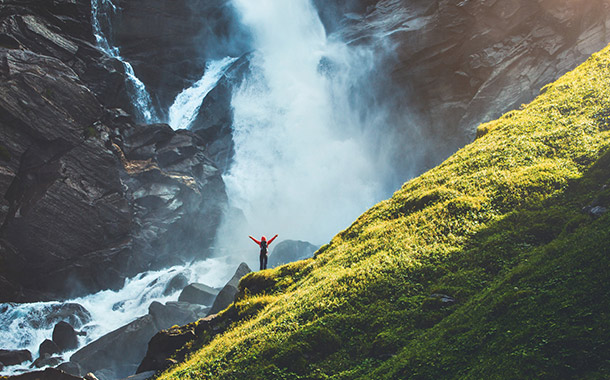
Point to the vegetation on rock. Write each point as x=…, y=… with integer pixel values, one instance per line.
x=503, y=229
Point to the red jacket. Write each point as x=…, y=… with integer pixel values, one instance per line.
x=263, y=239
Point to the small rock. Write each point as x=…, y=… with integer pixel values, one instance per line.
x=46, y=360
x=48, y=347
x=65, y=337
x=14, y=357
x=179, y=282
x=199, y=294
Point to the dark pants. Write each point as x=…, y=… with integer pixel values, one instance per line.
x=263, y=259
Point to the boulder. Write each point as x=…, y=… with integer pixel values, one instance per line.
x=46, y=360
x=227, y=295
x=175, y=313
x=65, y=337
x=47, y=374
x=117, y=354
x=14, y=357
x=177, y=283
x=48, y=347
x=71, y=368
x=199, y=294
x=289, y=251
x=163, y=345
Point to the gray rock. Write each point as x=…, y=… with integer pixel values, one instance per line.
x=117, y=353
x=229, y=291
x=199, y=294
x=71, y=368
x=48, y=347
x=14, y=357
x=47, y=374
x=177, y=283
x=65, y=337
x=288, y=251
x=175, y=313
x=46, y=360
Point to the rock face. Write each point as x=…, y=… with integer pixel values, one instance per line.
x=228, y=292
x=169, y=42
x=82, y=186
x=456, y=63
x=289, y=251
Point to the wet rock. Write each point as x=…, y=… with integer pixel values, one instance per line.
x=117, y=355
x=47, y=374
x=229, y=291
x=46, y=360
x=177, y=283
x=289, y=251
x=71, y=368
x=72, y=313
x=169, y=42
x=14, y=357
x=65, y=337
x=48, y=347
x=175, y=313
x=199, y=294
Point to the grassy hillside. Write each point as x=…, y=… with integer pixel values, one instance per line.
x=488, y=266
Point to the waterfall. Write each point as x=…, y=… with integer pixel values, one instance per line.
x=102, y=11
x=186, y=105
x=304, y=165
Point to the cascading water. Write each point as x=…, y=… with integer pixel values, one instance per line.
x=304, y=165
x=102, y=11
x=25, y=326
x=186, y=105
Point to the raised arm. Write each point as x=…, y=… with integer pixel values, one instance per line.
x=272, y=239
x=256, y=241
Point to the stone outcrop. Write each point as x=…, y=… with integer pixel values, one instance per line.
x=228, y=292
x=199, y=294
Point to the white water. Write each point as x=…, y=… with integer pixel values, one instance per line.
x=22, y=325
x=304, y=162
x=186, y=105
x=102, y=10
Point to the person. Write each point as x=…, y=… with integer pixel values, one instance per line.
x=264, y=245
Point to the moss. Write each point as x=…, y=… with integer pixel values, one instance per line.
x=498, y=226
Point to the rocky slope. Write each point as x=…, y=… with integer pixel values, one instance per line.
x=82, y=186
x=493, y=263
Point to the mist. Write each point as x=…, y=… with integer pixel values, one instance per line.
x=306, y=126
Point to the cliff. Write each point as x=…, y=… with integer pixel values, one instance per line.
x=83, y=186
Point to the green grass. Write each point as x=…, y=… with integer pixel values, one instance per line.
x=499, y=227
